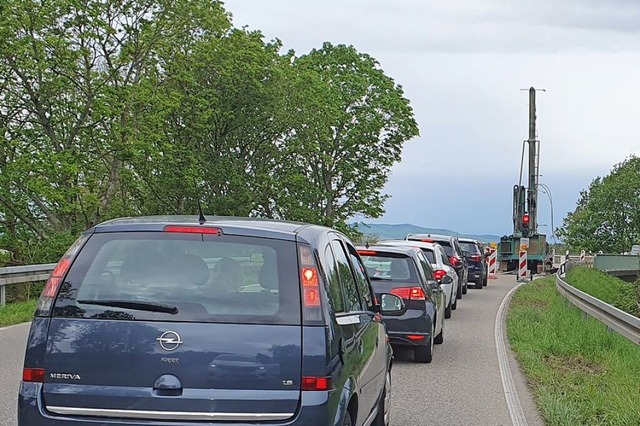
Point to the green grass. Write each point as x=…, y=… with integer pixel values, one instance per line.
x=580, y=372
x=609, y=289
x=17, y=312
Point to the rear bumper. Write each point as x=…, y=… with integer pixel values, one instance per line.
x=314, y=409
x=401, y=339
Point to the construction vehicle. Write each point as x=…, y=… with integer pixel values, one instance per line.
x=525, y=210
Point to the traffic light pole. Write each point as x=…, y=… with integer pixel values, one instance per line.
x=532, y=193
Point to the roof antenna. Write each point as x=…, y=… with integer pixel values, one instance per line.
x=201, y=219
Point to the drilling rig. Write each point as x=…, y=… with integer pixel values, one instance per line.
x=525, y=208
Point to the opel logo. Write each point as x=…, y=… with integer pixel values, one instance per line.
x=169, y=340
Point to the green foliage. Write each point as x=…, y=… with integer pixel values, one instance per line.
x=112, y=109
x=607, y=217
x=580, y=372
x=16, y=313
x=623, y=295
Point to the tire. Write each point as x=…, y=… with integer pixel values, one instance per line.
x=447, y=311
x=440, y=337
x=464, y=288
x=479, y=285
x=384, y=405
x=348, y=421
x=424, y=354
x=485, y=281
x=459, y=292
x=455, y=304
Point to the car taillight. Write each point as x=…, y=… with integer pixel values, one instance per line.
x=409, y=293
x=310, y=283
x=455, y=261
x=54, y=281
x=439, y=274
x=315, y=384
x=476, y=258
x=33, y=375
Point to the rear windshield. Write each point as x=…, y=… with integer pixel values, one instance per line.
x=470, y=247
x=183, y=277
x=390, y=267
x=446, y=245
x=429, y=255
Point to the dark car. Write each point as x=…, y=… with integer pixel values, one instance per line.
x=477, y=263
x=168, y=320
x=405, y=272
x=454, y=251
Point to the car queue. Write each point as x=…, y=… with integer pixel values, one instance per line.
x=180, y=320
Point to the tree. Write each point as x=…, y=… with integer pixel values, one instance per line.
x=72, y=78
x=607, y=216
x=351, y=121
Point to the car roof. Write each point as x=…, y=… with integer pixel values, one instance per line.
x=431, y=236
x=230, y=225
x=409, y=251
x=469, y=240
x=421, y=244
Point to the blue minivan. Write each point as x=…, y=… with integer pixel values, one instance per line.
x=180, y=321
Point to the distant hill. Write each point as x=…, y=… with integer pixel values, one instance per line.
x=400, y=231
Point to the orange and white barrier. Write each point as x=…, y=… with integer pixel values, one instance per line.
x=523, y=272
x=493, y=264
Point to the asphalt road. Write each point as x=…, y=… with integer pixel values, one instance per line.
x=461, y=386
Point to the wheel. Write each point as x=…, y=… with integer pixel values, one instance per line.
x=479, y=284
x=424, y=353
x=348, y=421
x=459, y=292
x=455, y=304
x=440, y=337
x=384, y=406
x=464, y=289
x=447, y=310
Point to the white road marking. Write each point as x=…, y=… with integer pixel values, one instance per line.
x=510, y=392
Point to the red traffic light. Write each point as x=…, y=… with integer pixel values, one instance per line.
x=525, y=219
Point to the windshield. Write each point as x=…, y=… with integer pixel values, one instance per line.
x=183, y=277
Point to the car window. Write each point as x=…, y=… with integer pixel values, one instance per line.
x=395, y=267
x=429, y=255
x=352, y=297
x=335, y=289
x=182, y=277
x=446, y=245
x=426, y=266
x=361, y=280
x=470, y=247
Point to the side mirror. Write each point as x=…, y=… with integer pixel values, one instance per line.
x=446, y=280
x=390, y=304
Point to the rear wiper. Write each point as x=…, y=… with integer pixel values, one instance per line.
x=133, y=304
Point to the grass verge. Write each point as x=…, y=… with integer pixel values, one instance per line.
x=580, y=372
x=17, y=312
x=609, y=289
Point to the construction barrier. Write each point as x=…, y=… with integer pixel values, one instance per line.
x=582, y=256
x=523, y=271
x=493, y=264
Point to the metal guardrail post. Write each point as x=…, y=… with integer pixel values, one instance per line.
x=3, y=296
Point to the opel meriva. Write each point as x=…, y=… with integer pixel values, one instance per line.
x=176, y=321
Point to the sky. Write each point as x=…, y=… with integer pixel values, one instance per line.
x=462, y=64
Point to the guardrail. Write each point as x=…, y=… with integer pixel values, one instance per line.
x=617, y=320
x=22, y=274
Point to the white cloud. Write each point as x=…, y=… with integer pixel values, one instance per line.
x=462, y=65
